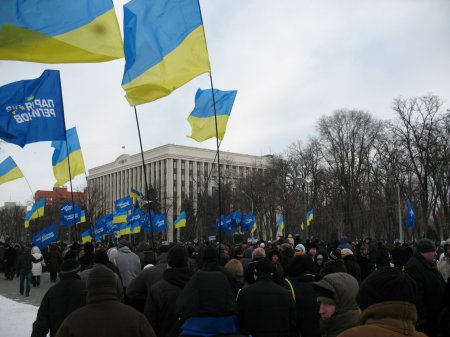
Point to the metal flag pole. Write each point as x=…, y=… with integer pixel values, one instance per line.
x=147, y=192
x=218, y=164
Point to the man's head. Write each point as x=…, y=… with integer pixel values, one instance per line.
x=327, y=302
x=264, y=268
x=427, y=249
x=177, y=257
x=69, y=268
x=313, y=249
x=385, y=285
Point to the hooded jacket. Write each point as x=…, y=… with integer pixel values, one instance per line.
x=128, y=263
x=38, y=261
x=386, y=319
x=344, y=288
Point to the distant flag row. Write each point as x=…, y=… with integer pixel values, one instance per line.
x=229, y=223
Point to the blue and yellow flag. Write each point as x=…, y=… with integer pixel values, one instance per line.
x=309, y=217
x=181, y=221
x=60, y=162
x=59, y=31
x=9, y=171
x=32, y=110
x=36, y=211
x=254, y=228
x=280, y=223
x=135, y=193
x=125, y=229
x=202, y=118
x=119, y=217
x=82, y=217
x=165, y=47
x=86, y=236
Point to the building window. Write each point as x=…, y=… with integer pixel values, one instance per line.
x=174, y=176
x=182, y=177
x=174, y=163
x=191, y=166
x=175, y=188
x=182, y=164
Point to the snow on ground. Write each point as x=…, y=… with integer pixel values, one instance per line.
x=16, y=318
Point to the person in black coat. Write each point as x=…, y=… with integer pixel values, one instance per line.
x=207, y=306
x=160, y=308
x=444, y=317
x=299, y=280
x=60, y=300
x=399, y=255
x=87, y=257
x=23, y=269
x=266, y=309
x=430, y=284
x=351, y=264
x=9, y=259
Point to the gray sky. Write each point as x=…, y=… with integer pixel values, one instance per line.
x=292, y=61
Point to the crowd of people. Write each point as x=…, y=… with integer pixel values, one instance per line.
x=281, y=288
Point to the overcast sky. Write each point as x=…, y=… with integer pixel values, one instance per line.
x=292, y=61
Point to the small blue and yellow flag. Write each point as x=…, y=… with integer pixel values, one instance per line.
x=82, y=217
x=86, y=236
x=124, y=229
x=254, y=228
x=181, y=221
x=9, y=171
x=165, y=47
x=202, y=118
x=36, y=211
x=135, y=193
x=123, y=204
x=59, y=31
x=60, y=162
x=280, y=223
x=309, y=217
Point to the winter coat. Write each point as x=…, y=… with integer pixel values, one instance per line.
x=386, y=319
x=58, y=302
x=207, y=305
x=345, y=288
x=54, y=260
x=38, y=261
x=105, y=315
x=160, y=307
x=128, y=263
x=10, y=256
x=140, y=286
x=248, y=272
x=430, y=292
x=352, y=267
x=86, y=260
x=266, y=309
x=213, y=265
x=382, y=257
x=24, y=262
x=307, y=308
x=444, y=267
x=399, y=256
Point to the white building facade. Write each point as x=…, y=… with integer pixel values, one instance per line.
x=176, y=173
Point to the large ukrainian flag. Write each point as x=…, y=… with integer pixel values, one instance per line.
x=165, y=47
x=60, y=162
x=9, y=171
x=59, y=31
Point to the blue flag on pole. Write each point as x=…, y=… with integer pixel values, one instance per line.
x=124, y=204
x=32, y=110
x=37, y=240
x=48, y=235
x=411, y=217
x=69, y=214
x=160, y=224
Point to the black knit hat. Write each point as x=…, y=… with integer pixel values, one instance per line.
x=264, y=267
x=177, y=257
x=210, y=253
x=425, y=246
x=101, y=277
x=70, y=266
x=386, y=284
x=300, y=265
